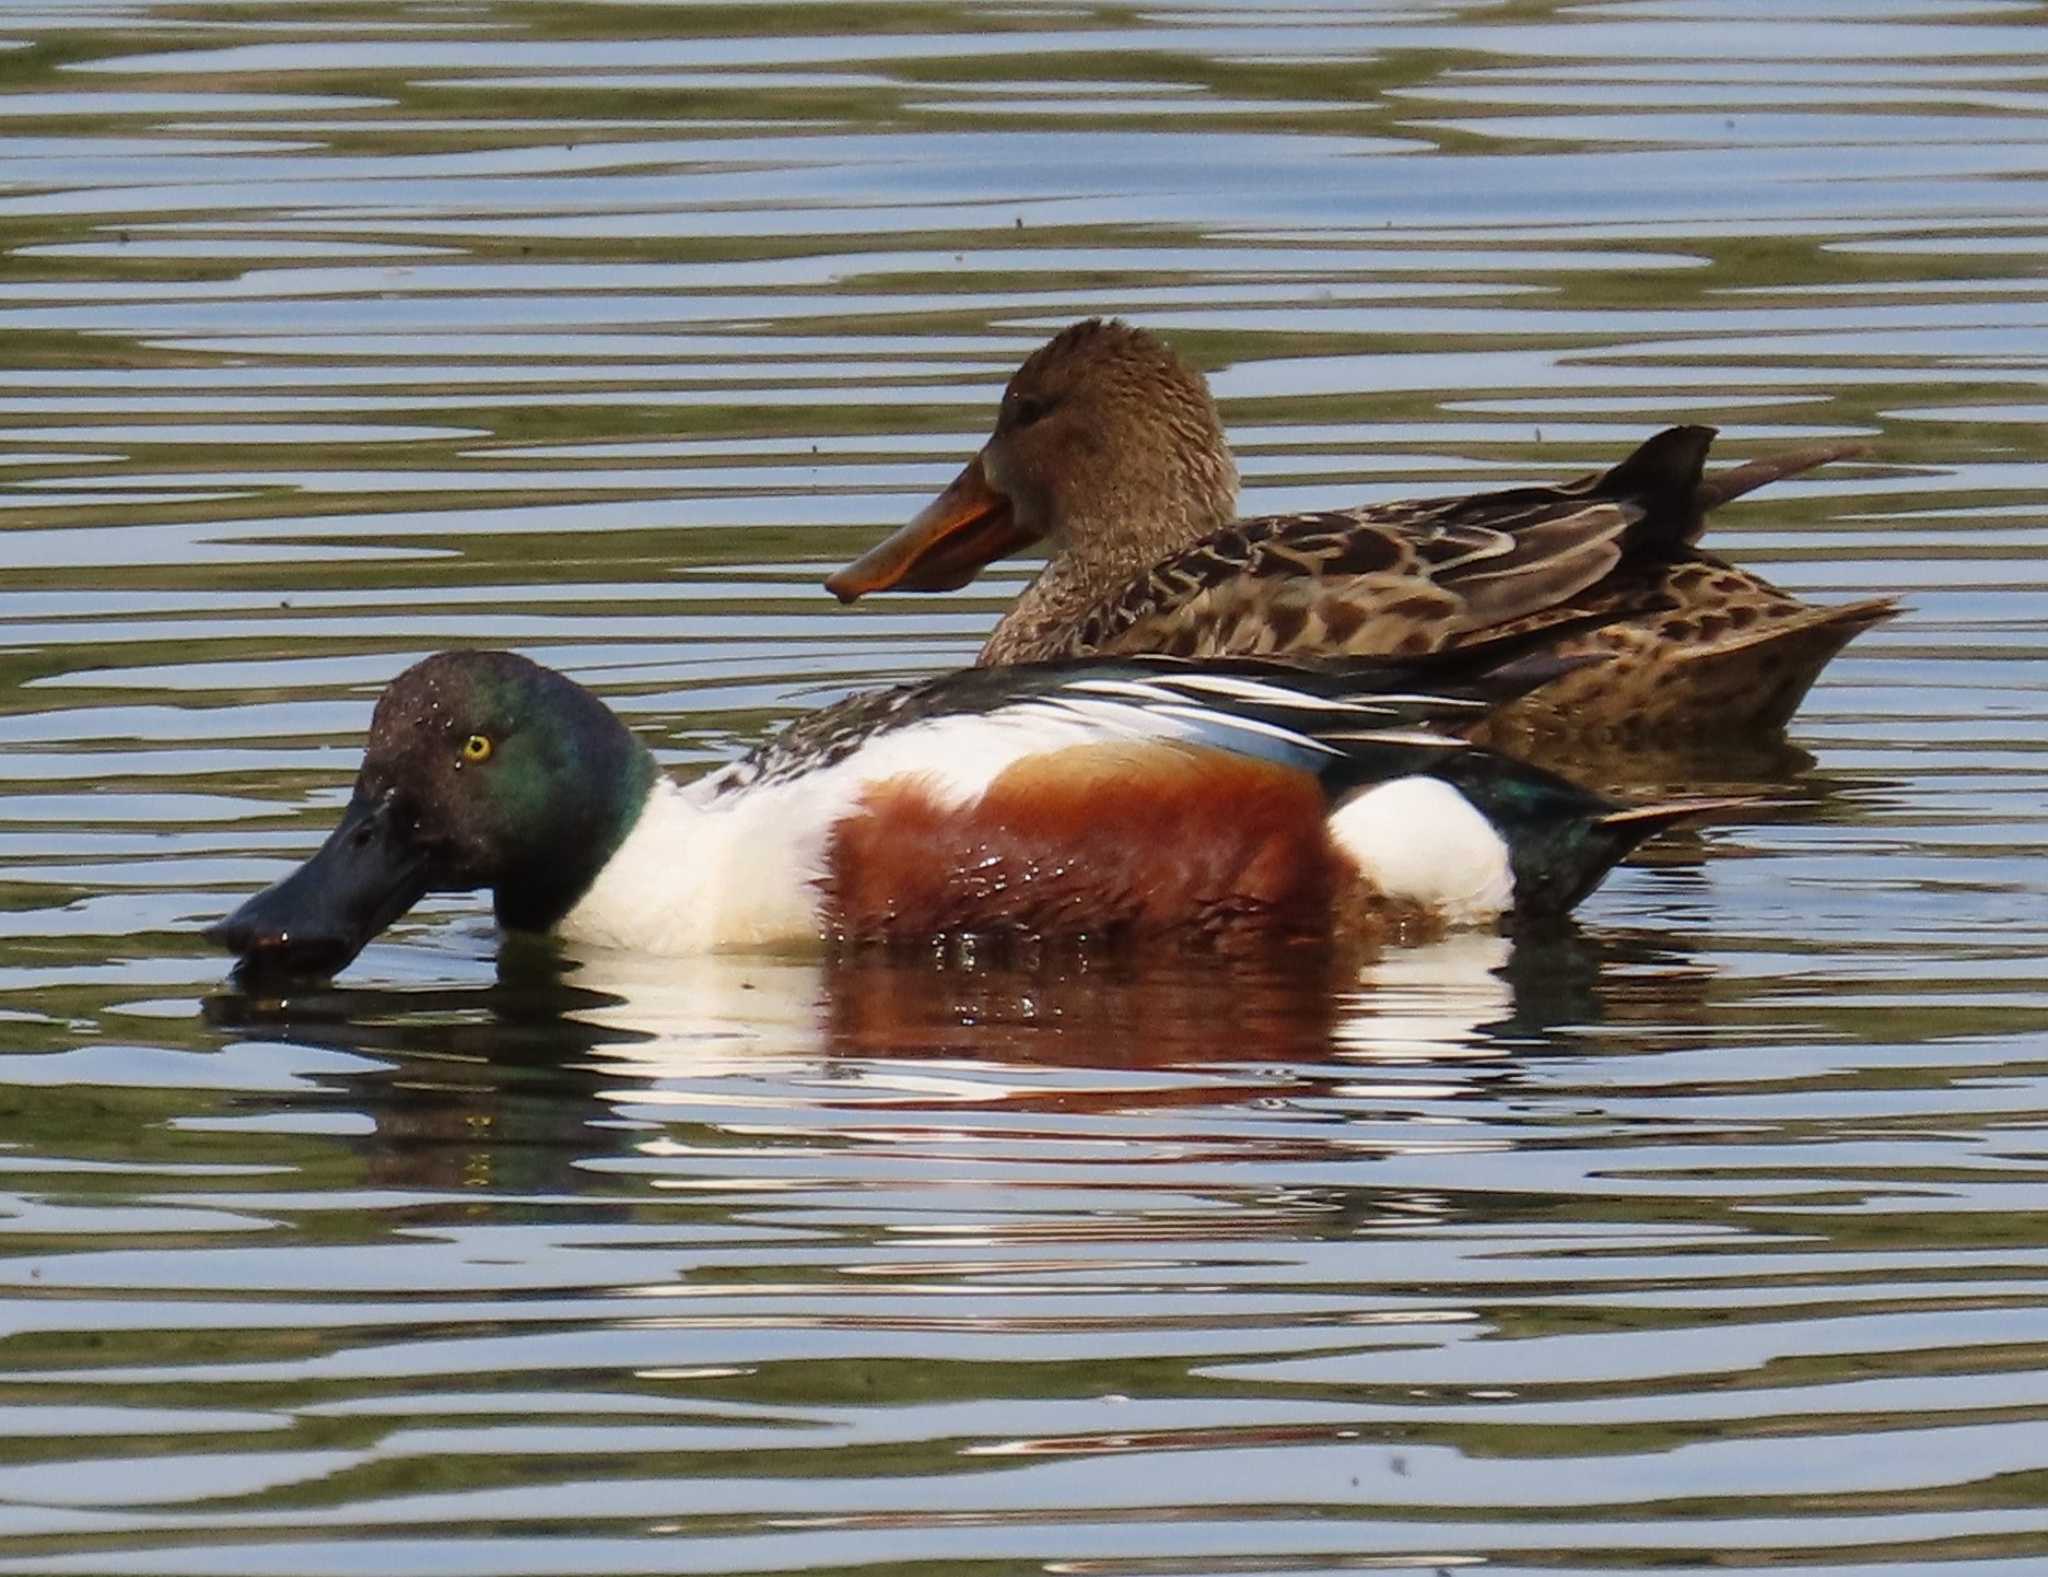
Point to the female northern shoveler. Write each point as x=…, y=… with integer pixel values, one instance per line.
x=1117, y=798
x=1108, y=448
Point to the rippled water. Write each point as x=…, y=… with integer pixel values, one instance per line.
x=1705, y=1233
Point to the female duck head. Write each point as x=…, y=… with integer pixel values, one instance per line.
x=1107, y=446
x=482, y=770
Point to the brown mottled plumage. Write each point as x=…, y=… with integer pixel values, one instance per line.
x=1108, y=449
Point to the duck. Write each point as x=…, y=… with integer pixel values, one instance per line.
x=1109, y=451
x=1130, y=798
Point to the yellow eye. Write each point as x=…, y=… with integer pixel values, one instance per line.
x=476, y=748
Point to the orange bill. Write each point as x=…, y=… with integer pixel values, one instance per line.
x=945, y=545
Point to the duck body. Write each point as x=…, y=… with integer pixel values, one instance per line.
x=1114, y=799
x=1689, y=643
x=1108, y=449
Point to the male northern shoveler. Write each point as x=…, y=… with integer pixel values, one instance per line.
x=1108, y=448
x=1127, y=798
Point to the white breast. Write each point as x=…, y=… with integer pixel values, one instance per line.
x=698, y=874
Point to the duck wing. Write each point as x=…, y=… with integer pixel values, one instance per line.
x=1136, y=796
x=1242, y=705
x=1422, y=575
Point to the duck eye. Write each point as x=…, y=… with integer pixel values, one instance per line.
x=1026, y=409
x=476, y=748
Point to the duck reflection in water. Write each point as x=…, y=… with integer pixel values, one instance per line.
x=557, y=1004
x=572, y=1061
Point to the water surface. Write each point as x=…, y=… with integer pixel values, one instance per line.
x=1704, y=1232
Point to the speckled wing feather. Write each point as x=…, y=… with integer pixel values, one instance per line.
x=1393, y=580
x=1410, y=577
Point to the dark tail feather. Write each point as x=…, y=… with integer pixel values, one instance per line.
x=1717, y=489
x=1638, y=822
x=1662, y=479
x=1666, y=476
x=1557, y=865
x=1551, y=880
x=1663, y=472
x=1562, y=839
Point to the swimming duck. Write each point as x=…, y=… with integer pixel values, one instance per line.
x=1109, y=450
x=1128, y=798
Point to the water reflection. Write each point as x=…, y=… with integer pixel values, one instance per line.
x=988, y=1030
x=556, y=1005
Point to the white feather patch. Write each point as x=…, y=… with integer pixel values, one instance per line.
x=1203, y=726
x=698, y=873
x=1397, y=736
x=1125, y=689
x=1419, y=839
x=1402, y=698
x=1237, y=688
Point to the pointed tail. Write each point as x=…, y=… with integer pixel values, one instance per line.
x=1659, y=814
x=1638, y=822
x=1718, y=489
x=1665, y=477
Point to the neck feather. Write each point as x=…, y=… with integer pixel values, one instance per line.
x=614, y=778
x=1111, y=536
x=1042, y=619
